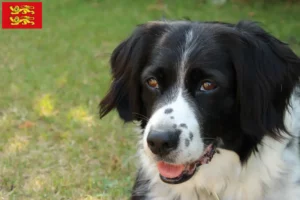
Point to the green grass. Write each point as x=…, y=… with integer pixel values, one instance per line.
x=53, y=145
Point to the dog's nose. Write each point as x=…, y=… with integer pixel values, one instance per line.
x=162, y=143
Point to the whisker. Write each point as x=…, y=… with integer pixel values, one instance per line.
x=142, y=116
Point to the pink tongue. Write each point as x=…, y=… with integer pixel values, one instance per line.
x=168, y=170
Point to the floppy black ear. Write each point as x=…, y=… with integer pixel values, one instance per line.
x=127, y=62
x=267, y=71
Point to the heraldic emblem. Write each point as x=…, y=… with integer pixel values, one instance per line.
x=21, y=15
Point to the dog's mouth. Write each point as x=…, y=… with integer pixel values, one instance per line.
x=175, y=174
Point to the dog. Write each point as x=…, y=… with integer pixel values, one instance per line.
x=218, y=105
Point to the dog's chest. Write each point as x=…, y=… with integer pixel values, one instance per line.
x=162, y=193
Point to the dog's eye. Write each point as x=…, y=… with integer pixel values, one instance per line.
x=207, y=86
x=152, y=82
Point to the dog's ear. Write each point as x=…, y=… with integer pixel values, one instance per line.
x=267, y=71
x=127, y=61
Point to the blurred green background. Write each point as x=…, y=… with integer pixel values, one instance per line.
x=53, y=145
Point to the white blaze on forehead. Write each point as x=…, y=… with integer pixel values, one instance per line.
x=187, y=48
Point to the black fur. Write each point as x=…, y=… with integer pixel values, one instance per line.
x=127, y=62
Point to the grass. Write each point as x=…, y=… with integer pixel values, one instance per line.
x=53, y=145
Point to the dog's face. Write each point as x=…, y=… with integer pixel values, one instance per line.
x=197, y=87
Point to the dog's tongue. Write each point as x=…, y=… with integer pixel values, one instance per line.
x=170, y=171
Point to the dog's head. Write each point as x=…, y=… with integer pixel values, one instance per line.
x=198, y=86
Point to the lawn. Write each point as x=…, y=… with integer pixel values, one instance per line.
x=53, y=144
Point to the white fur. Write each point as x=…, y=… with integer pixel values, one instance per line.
x=187, y=48
x=271, y=174
x=182, y=113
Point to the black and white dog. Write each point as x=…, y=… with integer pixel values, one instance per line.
x=219, y=108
